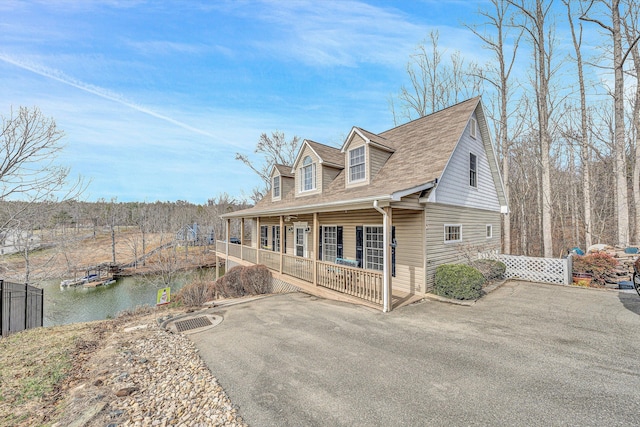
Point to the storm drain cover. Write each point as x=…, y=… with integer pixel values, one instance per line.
x=193, y=323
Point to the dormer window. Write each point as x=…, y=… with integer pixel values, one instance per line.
x=357, y=166
x=308, y=174
x=276, y=187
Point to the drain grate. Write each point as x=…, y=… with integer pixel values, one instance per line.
x=194, y=323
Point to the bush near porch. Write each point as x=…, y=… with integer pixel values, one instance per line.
x=458, y=281
x=237, y=282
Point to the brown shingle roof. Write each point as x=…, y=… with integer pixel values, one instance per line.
x=376, y=139
x=330, y=155
x=284, y=170
x=422, y=149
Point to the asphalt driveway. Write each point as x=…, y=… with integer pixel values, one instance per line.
x=526, y=354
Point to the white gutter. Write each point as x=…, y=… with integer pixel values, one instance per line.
x=386, y=297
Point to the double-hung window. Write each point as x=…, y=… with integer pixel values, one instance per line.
x=275, y=236
x=308, y=175
x=374, y=247
x=300, y=241
x=473, y=170
x=329, y=243
x=264, y=238
x=276, y=187
x=357, y=167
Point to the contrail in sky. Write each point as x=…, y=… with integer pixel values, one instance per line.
x=95, y=90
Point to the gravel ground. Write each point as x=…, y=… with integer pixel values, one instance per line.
x=146, y=376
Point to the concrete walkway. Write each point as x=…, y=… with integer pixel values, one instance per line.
x=526, y=354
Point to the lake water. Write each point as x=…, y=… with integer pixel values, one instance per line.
x=79, y=304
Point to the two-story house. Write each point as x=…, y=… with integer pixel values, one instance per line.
x=374, y=218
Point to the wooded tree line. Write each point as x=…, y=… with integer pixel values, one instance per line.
x=563, y=94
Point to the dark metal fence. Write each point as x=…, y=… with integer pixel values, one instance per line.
x=21, y=307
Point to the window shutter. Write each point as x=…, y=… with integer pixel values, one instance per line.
x=273, y=238
x=320, y=244
x=284, y=234
x=359, y=244
x=393, y=251
x=339, y=252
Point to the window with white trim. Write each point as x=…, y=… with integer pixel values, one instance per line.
x=473, y=170
x=264, y=236
x=329, y=243
x=473, y=125
x=276, y=186
x=276, y=238
x=489, y=231
x=300, y=241
x=357, y=165
x=452, y=233
x=374, y=247
x=307, y=175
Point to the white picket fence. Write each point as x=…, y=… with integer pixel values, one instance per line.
x=546, y=270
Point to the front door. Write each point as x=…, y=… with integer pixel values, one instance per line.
x=301, y=241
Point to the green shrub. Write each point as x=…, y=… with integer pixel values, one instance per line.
x=490, y=268
x=458, y=281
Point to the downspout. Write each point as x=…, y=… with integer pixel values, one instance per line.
x=386, y=298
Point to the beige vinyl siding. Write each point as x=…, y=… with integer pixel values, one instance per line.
x=409, y=235
x=328, y=175
x=377, y=159
x=308, y=152
x=411, y=201
x=409, y=251
x=474, y=226
x=454, y=187
x=286, y=185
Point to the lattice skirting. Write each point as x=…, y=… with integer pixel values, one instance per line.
x=546, y=270
x=279, y=286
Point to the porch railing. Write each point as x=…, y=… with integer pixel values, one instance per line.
x=249, y=254
x=234, y=250
x=365, y=284
x=270, y=258
x=301, y=268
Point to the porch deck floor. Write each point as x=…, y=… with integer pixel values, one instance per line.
x=398, y=298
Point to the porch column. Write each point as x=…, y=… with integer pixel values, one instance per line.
x=259, y=232
x=241, y=236
x=226, y=249
x=282, y=239
x=387, y=255
x=315, y=249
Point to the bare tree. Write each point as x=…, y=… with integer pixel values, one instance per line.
x=434, y=84
x=539, y=32
x=498, y=76
x=275, y=149
x=583, y=135
x=619, y=151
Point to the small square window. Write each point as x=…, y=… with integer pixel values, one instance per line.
x=452, y=233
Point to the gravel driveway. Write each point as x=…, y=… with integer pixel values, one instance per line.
x=527, y=354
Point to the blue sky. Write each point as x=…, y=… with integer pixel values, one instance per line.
x=156, y=97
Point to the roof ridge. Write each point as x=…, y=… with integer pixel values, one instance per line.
x=475, y=98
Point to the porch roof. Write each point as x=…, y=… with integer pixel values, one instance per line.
x=422, y=149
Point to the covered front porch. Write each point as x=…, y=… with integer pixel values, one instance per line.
x=307, y=251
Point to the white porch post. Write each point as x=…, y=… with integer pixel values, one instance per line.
x=226, y=250
x=259, y=239
x=388, y=223
x=386, y=256
x=315, y=249
x=282, y=239
x=241, y=237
